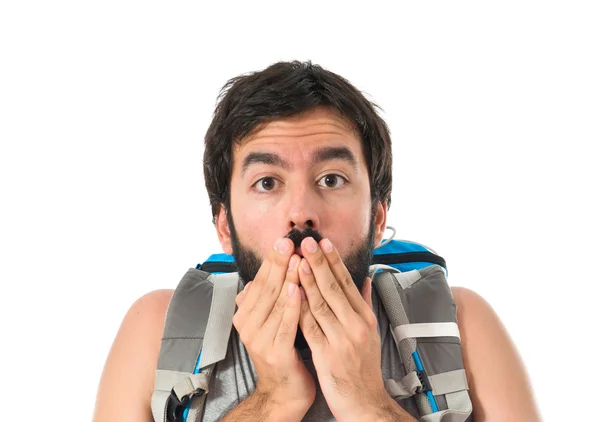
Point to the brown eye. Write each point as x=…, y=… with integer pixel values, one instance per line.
x=332, y=181
x=266, y=184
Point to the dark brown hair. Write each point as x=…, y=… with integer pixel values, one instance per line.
x=283, y=90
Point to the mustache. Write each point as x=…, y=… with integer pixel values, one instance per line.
x=297, y=236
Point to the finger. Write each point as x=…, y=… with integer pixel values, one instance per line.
x=263, y=299
x=328, y=284
x=291, y=275
x=263, y=272
x=271, y=327
x=240, y=296
x=286, y=334
x=342, y=275
x=367, y=291
x=315, y=338
x=249, y=299
x=319, y=307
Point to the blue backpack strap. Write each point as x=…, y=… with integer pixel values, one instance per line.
x=405, y=255
x=218, y=263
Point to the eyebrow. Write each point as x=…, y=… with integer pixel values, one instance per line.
x=319, y=156
x=334, y=153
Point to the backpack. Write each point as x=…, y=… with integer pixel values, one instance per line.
x=411, y=282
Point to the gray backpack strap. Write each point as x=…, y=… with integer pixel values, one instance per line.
x=419, y=305
x=199, y=318
x=386, y=286
x=220, y=319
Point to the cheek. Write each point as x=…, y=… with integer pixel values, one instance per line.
x=347, y=231
x=256, y=226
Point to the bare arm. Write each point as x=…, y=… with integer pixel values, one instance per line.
x=259, y=406
x=127, y=381
x=500, y=389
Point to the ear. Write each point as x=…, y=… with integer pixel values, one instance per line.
x=380, y=222
x=223, y=231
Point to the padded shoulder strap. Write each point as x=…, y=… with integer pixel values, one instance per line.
x=423, y=321
x=199, y=318
x=185, y=324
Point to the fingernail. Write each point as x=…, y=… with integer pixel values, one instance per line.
x=327, y=246
x=277, y=242
x=311, y=245
x=291, y=289
x=293, y=263
x=302, y=294
x=284, y=246
x=306, y=267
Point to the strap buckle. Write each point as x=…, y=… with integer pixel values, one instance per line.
x=175, y=407
x=424, y=379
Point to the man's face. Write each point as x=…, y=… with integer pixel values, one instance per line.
x=298, y=177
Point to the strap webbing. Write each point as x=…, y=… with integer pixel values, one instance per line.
x=220, y=319
x=448, y=415
x=448, y=382
x=405, y=388
x=407, y=279
x=164, y=381
x=459, y=401
x=191, y=383
x=459, y=409
x=432, y=329
x=374, y=268
x=159, y=404
x=196, y=409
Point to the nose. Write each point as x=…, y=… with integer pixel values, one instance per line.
x=303, y=209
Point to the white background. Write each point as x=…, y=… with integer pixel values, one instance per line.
x=494, y=112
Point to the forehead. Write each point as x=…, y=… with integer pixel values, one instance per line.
x=307, y=130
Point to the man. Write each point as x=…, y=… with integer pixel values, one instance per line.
x=298, y=171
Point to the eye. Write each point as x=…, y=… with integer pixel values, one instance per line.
x=265, y=184
x=332, y=181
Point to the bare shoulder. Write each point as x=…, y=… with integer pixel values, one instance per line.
x=499, y=385
x=127, y=381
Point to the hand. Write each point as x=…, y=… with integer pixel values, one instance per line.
x=267, y=320
x=341, y=329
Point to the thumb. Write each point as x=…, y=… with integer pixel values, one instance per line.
x=366, y=291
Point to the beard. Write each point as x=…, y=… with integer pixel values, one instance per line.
x=357, y=261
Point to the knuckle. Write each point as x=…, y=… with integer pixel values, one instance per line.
x=371, y=320
x=321, y=308
x=237, y=321
x=361, y=335
x=279, y=308
x=270, y=290
x=335, y=259
x=347, y=281
x=319, y=259
x=312, y=326
x=332, y=284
